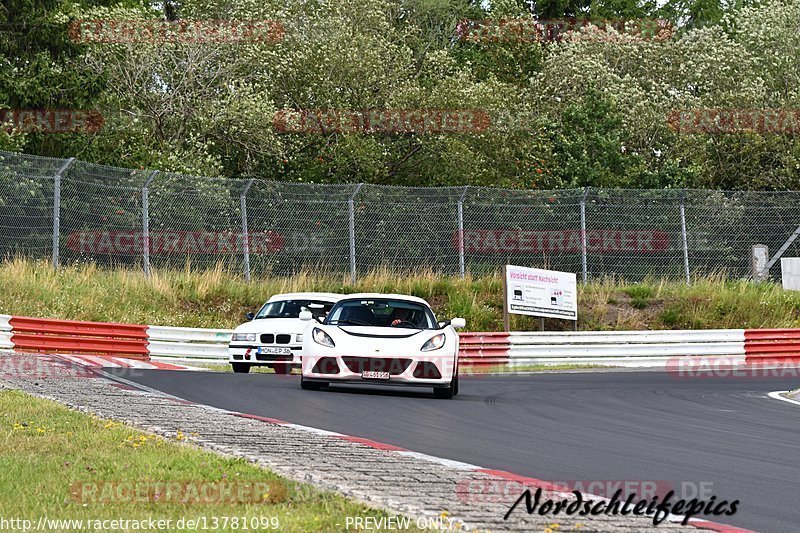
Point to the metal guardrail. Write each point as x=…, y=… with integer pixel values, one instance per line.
x=5, y=333
x=73, y=336
x=188, y=345
x=617, y=348
x=513, y=349
x=772, y=345
x=173, y=334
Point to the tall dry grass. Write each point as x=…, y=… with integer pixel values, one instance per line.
x=216, y=298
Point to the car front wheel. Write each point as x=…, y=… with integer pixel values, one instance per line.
x=446, y=393
x=240, y=368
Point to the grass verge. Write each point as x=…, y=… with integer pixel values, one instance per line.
x=216, y=299
x=63, y=464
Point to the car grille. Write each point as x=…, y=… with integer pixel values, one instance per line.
x=273, y=357
x=392, y=365
x=281, y=338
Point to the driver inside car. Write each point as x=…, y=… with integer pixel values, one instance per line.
x=400, y=315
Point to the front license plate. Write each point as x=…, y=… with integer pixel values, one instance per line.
x=274, y=351
x=371, y=374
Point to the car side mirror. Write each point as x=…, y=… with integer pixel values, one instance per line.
x=458, y=323
x=250, y=316
x=305, y=316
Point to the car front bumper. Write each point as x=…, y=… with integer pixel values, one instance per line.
x=420, y=370
x=248, y=354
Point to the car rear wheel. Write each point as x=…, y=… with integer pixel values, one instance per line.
x=240, y=368
x=311, y=385
x=282, y=369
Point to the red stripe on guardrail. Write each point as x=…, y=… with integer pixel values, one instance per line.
x=60, y=343
x=24, y=324
x=483, y=348
x=772, y=346
x=74, y=336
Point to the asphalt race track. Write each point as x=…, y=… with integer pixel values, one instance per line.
x=721, y=434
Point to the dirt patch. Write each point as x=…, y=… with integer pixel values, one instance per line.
x=620, y=311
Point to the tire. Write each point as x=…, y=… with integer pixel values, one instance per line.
x=455, y=380
x=240, y=368
x=282, y=369
x=447, y=393
x=311, y=385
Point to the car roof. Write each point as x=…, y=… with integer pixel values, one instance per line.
x=381, y=296
x=324, y=296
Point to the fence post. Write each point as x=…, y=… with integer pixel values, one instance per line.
x=57, y=210
x=352, y=210
x=146, y=222
x=461, y=259
x=245, y=234
x=685, y=239
x=584, y=267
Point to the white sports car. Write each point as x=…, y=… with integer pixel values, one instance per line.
x=381, y=339
x=274, y=336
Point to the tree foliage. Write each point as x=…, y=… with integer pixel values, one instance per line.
x=587, y=110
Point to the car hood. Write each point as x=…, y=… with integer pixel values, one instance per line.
x=381, y=333
x=368, y=341
x=272, y=325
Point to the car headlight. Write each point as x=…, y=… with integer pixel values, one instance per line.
x=434, y=343
x=320, y=337
x=299, y=337
x=247, y=337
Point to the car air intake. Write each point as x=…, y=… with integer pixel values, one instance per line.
x=426, y=370
x=326, y=365
x=391, y=365
x=274, y=357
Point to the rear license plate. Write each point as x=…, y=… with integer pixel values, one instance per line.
x=371, y=374
x=274, y=351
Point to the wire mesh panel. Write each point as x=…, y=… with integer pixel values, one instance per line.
x=634, y=233
x=106, y=215
x=723, y=227
x=403, y=229
x=539, y=229
x=101, y=215
x=195, y=222
x=26, y=204
x=296, y=226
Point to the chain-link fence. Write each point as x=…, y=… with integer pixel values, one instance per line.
x=71, y=211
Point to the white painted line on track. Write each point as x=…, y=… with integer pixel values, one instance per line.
x=316, y=431
x=439, y=460
x=779, y=395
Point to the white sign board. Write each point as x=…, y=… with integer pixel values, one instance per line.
x=537, y=292
x=790, y=273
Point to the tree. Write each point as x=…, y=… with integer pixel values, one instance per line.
x=41, y=68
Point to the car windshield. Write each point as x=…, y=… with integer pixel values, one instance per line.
x=382, y=313
x=292, y=308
